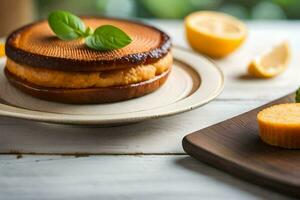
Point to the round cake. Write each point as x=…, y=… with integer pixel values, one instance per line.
x=42, y=65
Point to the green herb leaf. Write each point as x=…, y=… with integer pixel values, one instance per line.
x=88, y=32
x=66, y=25
x=298, y=96
x=107, y=37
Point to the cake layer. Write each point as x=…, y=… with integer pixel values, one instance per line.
x=36, y=45
x=60, y=79
x=89, y=95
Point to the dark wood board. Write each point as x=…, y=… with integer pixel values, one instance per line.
x=234, y=146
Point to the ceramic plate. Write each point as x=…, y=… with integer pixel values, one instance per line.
x=194, y=81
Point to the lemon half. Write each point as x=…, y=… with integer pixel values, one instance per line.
x=2, y=50
x=213, y=33
x=271, y=63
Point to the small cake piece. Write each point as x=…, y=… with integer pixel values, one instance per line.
x=280, y=125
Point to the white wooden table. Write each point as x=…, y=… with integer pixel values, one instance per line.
x=144, y=160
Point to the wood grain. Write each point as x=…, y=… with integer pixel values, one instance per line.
x=161, y=136
x=234, y=146
x=158, y=177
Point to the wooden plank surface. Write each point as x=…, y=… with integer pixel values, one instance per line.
x=145, y=177
x=120, y=177
x=150, y=137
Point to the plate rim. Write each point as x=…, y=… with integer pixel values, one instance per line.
x=40, y=116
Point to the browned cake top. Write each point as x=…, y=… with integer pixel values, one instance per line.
x=36, y=45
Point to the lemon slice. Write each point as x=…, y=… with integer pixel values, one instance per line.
x=213, y=33
x=2, y=50
x=271, y=63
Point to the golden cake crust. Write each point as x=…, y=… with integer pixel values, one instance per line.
x=36, y=45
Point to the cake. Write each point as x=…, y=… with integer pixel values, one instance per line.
x=279, y=125
x=45, y=67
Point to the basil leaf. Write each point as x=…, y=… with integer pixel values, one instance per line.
x=298, y=96
x=66, y=25
x=88, y=32
x=107, y=37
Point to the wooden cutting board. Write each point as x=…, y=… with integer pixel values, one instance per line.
x=235, y=147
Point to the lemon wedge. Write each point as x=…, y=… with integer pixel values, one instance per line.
x=2, y=50
x=271, y=63
x=213, y=33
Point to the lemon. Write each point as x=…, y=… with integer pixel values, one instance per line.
x=2, y=50
x=214, y=34
x=272, y=62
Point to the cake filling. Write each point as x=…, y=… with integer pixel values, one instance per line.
x=74, y=80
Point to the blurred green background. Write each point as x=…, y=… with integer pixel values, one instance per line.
x=16, y=13
x=174, y=9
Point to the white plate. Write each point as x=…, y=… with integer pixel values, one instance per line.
x=194, y=81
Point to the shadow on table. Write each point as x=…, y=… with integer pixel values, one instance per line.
x=202, y=169
x=246, y=77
